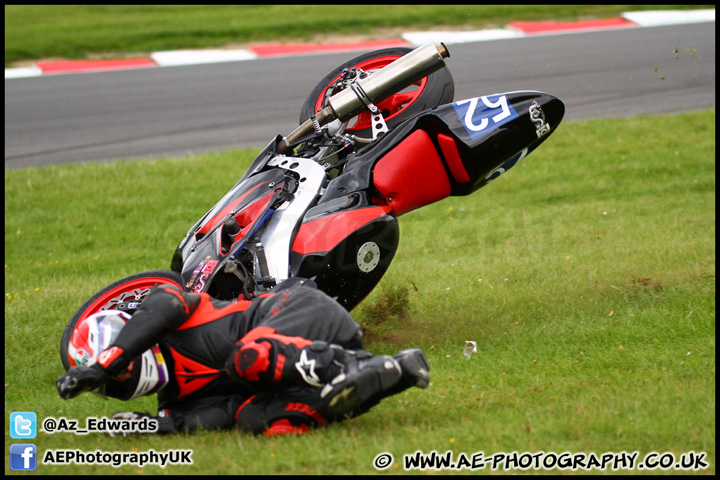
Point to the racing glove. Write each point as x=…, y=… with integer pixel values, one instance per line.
x=81, y=379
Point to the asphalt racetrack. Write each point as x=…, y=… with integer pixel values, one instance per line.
x=151, y=112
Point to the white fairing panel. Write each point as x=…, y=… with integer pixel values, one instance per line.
x=278, y=234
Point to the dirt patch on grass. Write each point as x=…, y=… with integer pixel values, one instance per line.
x=388, y=310
x=646, y=283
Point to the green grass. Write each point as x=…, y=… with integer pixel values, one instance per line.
x=586, y=275
x=35, y=32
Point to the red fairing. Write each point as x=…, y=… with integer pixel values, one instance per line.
x=223, y=213
x=323, y=234
x=453, y=159
x=247, y=216
x=412, y=174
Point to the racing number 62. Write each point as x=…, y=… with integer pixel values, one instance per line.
x=501, y=103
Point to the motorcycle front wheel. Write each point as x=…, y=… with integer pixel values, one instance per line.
x=125, y=294
x=436, y=89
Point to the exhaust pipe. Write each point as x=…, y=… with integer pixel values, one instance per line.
x=400, y=74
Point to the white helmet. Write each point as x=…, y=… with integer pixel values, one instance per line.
x=94, y=334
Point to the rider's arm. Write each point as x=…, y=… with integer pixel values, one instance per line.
x=162, y=311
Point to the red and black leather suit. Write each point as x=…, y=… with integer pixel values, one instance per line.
x=234, y=364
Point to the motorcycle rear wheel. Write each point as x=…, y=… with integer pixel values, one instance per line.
x=125, y=294
x=436, y=89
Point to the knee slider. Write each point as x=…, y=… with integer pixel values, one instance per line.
x=278, y=414
x=250, y=360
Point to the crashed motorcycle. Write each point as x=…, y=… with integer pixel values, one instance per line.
x=379, y=136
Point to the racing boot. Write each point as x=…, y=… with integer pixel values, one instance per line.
x=415, y=369
x=366, y=380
